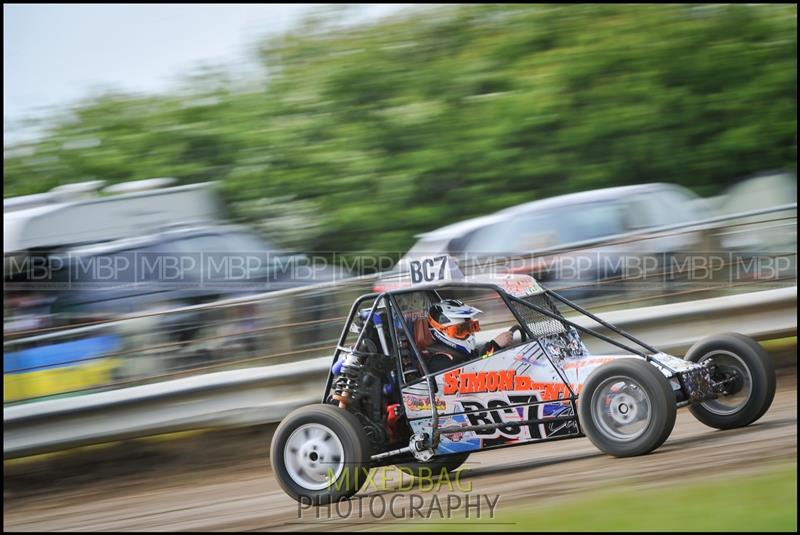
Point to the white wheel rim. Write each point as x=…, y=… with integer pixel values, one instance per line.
x=621, y=408
x=727, y=405
x=313, y=456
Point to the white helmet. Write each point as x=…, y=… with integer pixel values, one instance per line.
x=451, y=323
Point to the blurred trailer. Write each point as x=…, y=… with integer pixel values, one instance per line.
x=37, y=230
x=78, y=214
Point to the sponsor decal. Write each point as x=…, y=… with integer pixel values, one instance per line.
x=422, y=403
x=459, y=382
x=577, y=364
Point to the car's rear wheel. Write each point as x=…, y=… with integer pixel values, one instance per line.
x=749, y=376
x=320, y=454
x=627, y=408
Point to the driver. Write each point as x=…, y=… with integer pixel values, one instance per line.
x=453, y=328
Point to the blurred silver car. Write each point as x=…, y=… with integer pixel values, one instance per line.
x=764, y=233
x=580, y=236
x=763, y=240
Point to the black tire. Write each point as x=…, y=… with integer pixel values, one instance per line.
x=447, y=464
x=739, y=353
x=655, y=397
x=354, y=452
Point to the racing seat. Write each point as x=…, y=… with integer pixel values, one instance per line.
x=424, y=340
x=422, y=334
x=418, y=328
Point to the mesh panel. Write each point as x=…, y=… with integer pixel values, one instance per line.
x=539, y=324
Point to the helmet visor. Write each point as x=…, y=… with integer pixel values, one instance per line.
x=459, y=331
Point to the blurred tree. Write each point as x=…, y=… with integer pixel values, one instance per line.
x=367, y=135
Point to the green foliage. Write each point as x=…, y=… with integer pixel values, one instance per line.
x=378, y=132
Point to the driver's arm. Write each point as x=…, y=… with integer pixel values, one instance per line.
x=500, y=341
x=504, y=339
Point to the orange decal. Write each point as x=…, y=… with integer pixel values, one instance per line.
x=451, y=382
x=457, y=381
x=506, y=379
x=522, y=382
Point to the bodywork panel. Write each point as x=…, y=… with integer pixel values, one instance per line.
x=532, y=388
x=513, y=386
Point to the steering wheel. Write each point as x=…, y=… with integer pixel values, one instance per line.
x=517, y=328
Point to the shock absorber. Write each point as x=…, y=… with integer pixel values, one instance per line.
x=345, y=386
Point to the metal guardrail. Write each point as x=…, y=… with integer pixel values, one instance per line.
x=265, y=394
x=223, y=399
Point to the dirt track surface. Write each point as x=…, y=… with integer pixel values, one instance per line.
x=246, y=497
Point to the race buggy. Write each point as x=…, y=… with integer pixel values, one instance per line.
x=384, y=405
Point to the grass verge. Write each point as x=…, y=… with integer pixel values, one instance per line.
x=765, y=502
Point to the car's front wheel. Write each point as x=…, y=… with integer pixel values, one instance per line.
x=320, y=454
x=627, y=408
